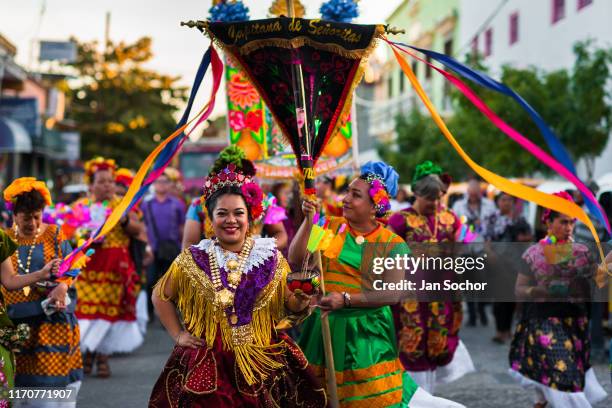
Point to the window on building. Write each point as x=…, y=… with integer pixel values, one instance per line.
x=514, y=27
x=558, y=10
x=488, y=42
x=475, y=45
x=415, y=68
x=448, y=50
x=390, y=86
x=402, y=83
x=428, y=69
x=583, y=3
x=448, y=47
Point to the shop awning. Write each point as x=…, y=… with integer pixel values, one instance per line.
x=13, y=137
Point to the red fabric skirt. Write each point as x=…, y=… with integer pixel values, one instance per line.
x=206, y=377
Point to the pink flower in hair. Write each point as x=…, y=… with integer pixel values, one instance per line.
x=252, y=194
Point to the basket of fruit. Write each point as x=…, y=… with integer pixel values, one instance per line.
x=306, y=281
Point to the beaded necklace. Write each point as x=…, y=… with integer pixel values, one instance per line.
x=26, y=268
x=224, y=296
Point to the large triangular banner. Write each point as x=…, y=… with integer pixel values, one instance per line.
x=330, y=56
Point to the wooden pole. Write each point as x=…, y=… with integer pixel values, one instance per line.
x=298, y=79
x=330, y=372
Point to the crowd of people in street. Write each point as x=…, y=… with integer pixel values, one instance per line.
x=217, y=272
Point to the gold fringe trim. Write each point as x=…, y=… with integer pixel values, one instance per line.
x=297, y=42
x=250, y=343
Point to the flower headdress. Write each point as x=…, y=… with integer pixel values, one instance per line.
x=124, y=177
x=25, y=185
x=563, y=194
x=425, y=169
x=383, y=180
x=233, y=169
x=97, y=164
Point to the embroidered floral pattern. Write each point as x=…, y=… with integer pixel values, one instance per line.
x=241, y=92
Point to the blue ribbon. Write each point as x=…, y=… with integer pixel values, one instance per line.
x=168, y=152
x=554, y=144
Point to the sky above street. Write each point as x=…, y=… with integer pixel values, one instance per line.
x=177, y=50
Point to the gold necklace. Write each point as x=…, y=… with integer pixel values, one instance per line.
x=224, y=296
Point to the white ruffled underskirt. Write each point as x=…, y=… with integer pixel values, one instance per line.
x=142, y=312
x=460, y=365
x=423, y=399
x=592, y=393
x=104, y=337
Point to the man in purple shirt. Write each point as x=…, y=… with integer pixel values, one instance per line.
x=164, y=216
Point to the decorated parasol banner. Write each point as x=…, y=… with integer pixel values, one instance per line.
x=312, y=111
x=252, y=127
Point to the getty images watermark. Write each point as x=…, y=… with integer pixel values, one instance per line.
x=478, y=272
x=423, y=264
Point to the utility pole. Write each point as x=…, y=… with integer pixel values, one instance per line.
x=106, y=32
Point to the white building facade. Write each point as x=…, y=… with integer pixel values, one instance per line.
x=539, y=33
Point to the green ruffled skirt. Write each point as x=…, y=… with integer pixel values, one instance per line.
x=366, y=363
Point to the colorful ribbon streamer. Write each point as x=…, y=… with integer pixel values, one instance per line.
x=511, y=132
x=555, y=146
x=159, y=158
x=518, y=190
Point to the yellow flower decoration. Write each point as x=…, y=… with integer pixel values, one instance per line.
x=435, y=308
x=25, y=185
x=173, y=174
x=561, y=366
x=411, y=306
x=568, y=345
x=446, y=218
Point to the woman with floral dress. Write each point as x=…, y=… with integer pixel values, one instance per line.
x=551, y=346
x=428, y=332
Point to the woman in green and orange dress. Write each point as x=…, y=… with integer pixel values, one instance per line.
x=367, y=366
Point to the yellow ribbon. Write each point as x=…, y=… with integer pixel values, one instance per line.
x=118, y=211
x=518, y=190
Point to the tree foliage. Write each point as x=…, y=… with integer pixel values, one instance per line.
x=121, y=107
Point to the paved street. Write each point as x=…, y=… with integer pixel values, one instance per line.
x=134, y=376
